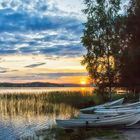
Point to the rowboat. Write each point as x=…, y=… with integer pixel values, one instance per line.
x=125, y=120
x=118, y=110
x=113, y=103
x=113, y=110
x=125, y=105
x=96, y=116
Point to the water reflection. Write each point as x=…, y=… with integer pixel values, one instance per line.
x=25, y=116
x=37, y=90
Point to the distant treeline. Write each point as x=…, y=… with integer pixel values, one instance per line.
x=33, y=84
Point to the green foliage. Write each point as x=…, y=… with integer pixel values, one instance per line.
x=101, y=40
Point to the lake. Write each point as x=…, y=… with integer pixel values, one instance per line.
x=26, y=114
x=43, y=89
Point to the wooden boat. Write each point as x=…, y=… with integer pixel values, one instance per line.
x=118, y=110
x=126, y=120
x=113, y=103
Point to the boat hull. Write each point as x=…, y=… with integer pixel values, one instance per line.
x=120, y=120
x=118, y=110
x=129, y=105
x=96, y=116
x=91, y=109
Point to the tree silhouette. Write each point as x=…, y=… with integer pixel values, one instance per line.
x=101, y=40
x=130, y=59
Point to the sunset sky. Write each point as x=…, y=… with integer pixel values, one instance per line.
x=40, y=41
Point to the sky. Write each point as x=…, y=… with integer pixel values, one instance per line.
x=40, y=41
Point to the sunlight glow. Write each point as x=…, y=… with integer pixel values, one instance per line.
x=25, y=68
x=83, y=82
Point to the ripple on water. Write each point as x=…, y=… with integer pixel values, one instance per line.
x=29, y=117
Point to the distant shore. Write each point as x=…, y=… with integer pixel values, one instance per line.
x=39, y=84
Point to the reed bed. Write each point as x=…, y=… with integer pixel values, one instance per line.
x=75, y=99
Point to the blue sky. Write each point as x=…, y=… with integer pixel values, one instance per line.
x=40, y=40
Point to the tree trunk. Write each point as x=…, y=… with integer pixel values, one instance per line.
x=110, y=92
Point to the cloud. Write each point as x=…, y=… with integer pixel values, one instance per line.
x=3, y=71
x=43, y=76
x=39, y=27
x=21, y=21
x=3, y=68
x=6, y=70
x=59, y=74
x=35, y=65
x=63, y=50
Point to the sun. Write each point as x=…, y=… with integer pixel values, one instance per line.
x=83, y=82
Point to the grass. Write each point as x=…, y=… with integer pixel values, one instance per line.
x=74, y=99
x=82, y=134
x=53, y=103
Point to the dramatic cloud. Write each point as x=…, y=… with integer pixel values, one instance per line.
x=41, y=27
x=42, y=35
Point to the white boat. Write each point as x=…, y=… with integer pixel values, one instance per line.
x=118, y=110
x=125, y=120
x=113, y=111
x=113, y=103
x=124, y=105
x=96, y=116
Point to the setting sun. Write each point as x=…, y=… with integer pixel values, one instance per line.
x=83, y=82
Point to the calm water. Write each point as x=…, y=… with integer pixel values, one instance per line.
x=42, y=89
x=31, y=117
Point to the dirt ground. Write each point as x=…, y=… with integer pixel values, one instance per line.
x=132, y=133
